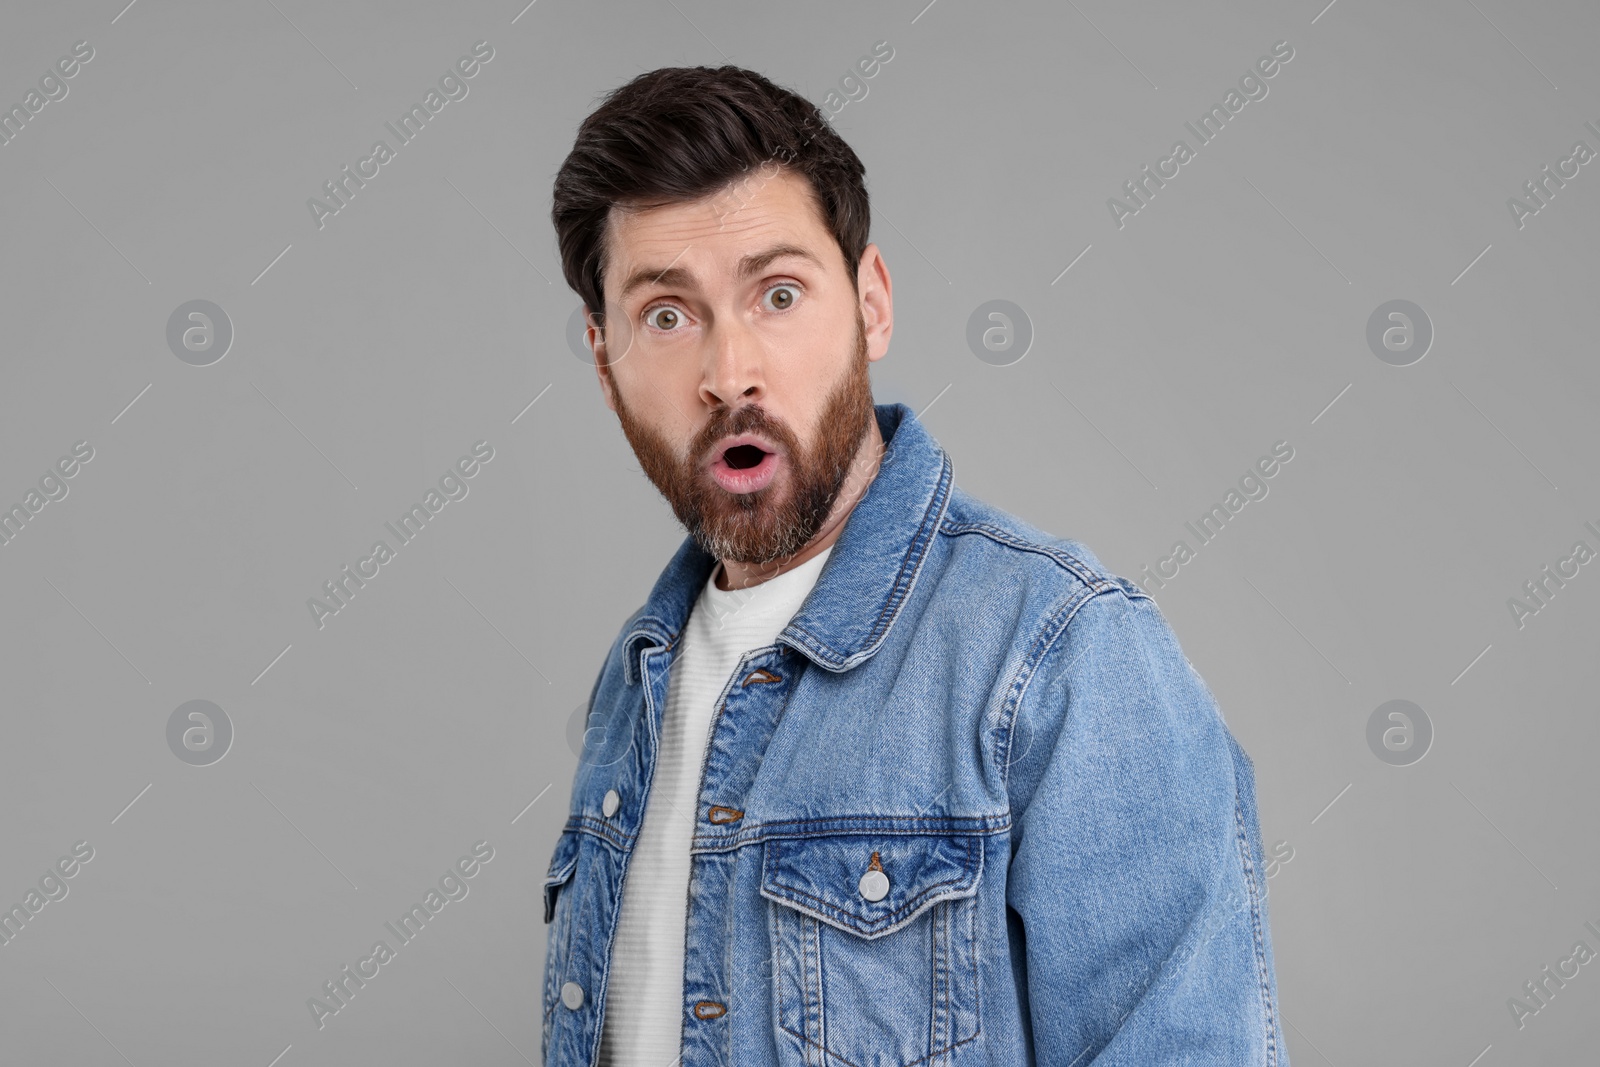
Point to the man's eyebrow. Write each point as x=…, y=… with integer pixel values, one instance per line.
x=680, y=278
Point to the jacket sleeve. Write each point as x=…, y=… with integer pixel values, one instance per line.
x=1136, y=867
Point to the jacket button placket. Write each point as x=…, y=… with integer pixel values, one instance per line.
x=738, y=739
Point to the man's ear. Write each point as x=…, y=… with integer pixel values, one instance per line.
x=595, y=336
x=877, y=301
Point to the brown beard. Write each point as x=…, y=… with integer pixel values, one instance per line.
x=778, y=520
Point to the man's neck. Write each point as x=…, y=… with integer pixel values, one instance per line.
x=863, y=468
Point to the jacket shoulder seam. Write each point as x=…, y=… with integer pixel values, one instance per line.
x=1058, y=623
x=1096, y=579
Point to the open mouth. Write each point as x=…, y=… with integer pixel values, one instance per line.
x=741, y=457
x=745, y=468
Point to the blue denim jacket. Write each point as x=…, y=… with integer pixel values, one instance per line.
x=972, y=806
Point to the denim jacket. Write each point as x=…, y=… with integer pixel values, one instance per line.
x=972, y=806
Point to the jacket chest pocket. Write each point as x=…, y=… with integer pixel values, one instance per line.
x=874, y=947
x=558, y=914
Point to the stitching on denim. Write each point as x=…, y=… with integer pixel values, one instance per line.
x=709, y=843
x=777, y=975
x=844, y=918
x=935, y=972
x=916, y=555
x=637, y=630
x=806, y=829
x=944, y=1027
x=910, y=907
x=559, y=877
x=563, y=953
x=610, y=937
x=814, y=1005
x=556, y=949
x=597, y=828
x=1055, y=626
x=551, y=902
x=830, y=1054
x=1252, y=889
x=1078, y=567
x=650, y=704
x=1174, y=966
x=879, y=818
x=972, y=955
x=1094, y=584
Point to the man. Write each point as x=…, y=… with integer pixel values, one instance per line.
x=879, y=774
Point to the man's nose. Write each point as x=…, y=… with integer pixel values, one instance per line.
x=735, y=364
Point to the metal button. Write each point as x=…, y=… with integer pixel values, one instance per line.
x=874, y=885
x=572, y=995
x=608, y=807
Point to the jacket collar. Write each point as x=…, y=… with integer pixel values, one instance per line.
x=868, y=576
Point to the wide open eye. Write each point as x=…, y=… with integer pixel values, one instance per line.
x=781, y=297
x=666, y=318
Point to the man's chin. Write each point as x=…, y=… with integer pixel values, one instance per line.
x=743, y=542
x=750, y=536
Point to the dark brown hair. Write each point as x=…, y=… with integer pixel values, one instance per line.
x=680, y=133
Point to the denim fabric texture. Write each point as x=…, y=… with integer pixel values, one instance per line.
x=973, y=806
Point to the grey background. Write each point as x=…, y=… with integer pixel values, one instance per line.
x=367, y=356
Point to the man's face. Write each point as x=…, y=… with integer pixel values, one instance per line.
x=735, y=355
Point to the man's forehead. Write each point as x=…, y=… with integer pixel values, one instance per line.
x=715, y=231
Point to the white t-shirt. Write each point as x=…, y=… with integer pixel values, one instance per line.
x=644, y=1014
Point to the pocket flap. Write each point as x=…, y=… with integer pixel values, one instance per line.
x=562, y=863
x=823, y=876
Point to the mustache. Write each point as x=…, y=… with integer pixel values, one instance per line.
x=748, y=419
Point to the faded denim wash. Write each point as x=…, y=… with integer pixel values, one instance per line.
x=973, y=806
